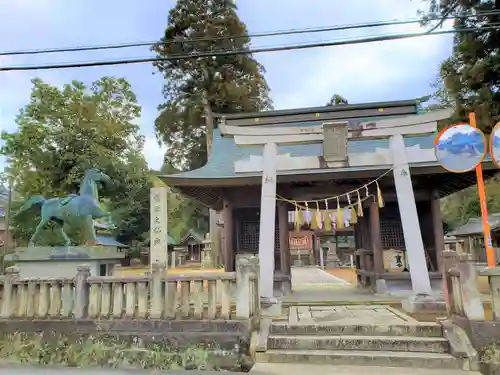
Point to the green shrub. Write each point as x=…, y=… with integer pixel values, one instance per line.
x=105, y=351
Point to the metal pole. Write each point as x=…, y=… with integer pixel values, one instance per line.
x=6, y=241
x=490, y=252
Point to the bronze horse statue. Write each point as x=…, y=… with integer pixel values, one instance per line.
x=75, y=210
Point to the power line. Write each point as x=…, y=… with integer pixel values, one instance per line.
x=378, y=38
x=226, y=37
x=442, y=19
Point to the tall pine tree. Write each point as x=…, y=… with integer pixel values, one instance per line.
x=197, y=88
x=471, y=75
x=337, y=99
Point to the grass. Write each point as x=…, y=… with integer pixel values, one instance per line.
x=104, y=351
x=490, y=355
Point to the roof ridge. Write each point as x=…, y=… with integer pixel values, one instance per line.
x=325, y=108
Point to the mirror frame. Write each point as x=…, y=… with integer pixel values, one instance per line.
x=492, y=135
x=440, y=134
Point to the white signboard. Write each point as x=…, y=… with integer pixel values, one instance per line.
x=158, y=232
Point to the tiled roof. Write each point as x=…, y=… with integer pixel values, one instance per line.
x=226, y=152
x=108, y=241
x=475, y=226
x=340, y=107
x=197, y=237
x=170, y=240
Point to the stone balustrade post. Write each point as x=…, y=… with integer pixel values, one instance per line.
x=493, y=275
x=81, y=291
x=255, y=269
x=11, y=274
x=473, y=306
x=243, y=298
x=156, y=290
x=449, y=260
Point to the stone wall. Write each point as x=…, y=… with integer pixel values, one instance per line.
x=204, y=320
x=147, y=344
x=209, y=296
x=470, y=333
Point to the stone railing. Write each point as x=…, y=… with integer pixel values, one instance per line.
x=227, y=296
x=460, y=287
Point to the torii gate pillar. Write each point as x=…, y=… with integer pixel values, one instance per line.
x=268, y=220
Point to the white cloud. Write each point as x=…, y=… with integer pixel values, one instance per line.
x=361, y=72
x=153, y=152
x=464, y=128
x=365, y=72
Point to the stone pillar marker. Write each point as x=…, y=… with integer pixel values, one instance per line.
x=420, y=280
x=268, y=220
x=158, y=239
x=156, y=290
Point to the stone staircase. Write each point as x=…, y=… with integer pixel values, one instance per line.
x=417, y=345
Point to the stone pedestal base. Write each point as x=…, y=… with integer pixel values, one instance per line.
x=381, y=286
x=270, y=307
x=420, y=303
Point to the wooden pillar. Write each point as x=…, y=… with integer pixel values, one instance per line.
x=437, y=224
x=365, y=233
x=284, y=241
x=227, y=214
x=378, y=259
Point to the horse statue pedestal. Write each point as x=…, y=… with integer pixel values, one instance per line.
x=77, y=211
x=62, y=261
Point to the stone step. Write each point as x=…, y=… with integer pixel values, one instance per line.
x=413, y=330
x=362, y=358
x=352, y=342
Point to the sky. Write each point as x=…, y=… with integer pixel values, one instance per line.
x=391, y=70
x=464, y=129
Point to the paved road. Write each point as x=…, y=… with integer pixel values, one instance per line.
x=314, y=284
x=259, y=369
x=312, y=277
x=299, y=369
x=29, y=370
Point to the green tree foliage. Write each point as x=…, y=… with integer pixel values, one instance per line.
x=197, y=88
x=460, y=207
x=471, y=75
x=64, y=131
x=183, y=213
x=469, y=81
x=336, y=100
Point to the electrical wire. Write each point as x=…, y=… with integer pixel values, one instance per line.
x=252, y=35
x=372, y=39
x=444, y=17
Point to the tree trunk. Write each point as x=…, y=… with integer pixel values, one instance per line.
x=214, y=215
x=209, y=122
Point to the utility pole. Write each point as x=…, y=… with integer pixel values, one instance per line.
x=6, y=242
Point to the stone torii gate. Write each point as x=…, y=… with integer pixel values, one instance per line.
x=334, y=138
